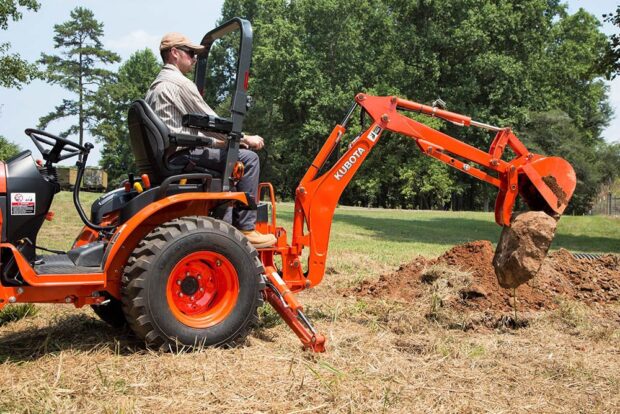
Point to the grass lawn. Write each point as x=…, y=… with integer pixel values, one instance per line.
x=392, y=235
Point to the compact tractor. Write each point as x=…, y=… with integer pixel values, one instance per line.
x=156, y=254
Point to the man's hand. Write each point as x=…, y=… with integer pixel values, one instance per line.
x=254, y=142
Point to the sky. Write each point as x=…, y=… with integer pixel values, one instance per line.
x=132, y=25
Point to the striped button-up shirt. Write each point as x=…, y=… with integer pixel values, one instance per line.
x=172, y=95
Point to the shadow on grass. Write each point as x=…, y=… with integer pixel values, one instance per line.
x=73, y=332
x=453, y=230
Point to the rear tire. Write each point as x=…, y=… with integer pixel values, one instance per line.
x=194, y=281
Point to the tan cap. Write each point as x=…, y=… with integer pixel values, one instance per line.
x=174, y=39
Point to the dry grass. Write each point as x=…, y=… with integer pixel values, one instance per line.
x=382, y=357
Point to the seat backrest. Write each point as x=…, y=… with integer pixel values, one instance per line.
x=150, y=144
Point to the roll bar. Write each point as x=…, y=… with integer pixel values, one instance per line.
x=239, y=104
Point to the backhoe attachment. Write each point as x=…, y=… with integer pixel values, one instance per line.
x=545, y=184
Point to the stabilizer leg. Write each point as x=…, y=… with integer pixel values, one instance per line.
x=285, y=303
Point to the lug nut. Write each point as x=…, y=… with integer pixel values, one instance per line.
x=218, y=263
x=180, y=294
x=202, y=289
x=179, y=282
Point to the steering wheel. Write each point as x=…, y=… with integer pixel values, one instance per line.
x=57, y=152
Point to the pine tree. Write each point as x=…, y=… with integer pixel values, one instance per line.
x=77, y=69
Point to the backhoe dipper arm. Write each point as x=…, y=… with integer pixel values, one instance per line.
x=546, y=183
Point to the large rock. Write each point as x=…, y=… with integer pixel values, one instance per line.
x=522, y=247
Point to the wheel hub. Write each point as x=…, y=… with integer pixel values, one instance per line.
x=202, y=289
x=189, y=285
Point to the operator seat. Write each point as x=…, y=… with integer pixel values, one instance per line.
x=150, y=142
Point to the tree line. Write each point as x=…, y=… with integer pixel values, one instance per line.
x=528, y=64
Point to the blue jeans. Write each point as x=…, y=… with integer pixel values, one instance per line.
x=215, y=159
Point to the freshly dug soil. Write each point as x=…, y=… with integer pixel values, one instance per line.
x=522, y=247
x=561, y=275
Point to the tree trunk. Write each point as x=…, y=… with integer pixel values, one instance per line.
x=81, y=103
x=487, y=200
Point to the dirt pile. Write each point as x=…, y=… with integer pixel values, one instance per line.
x=522, y=247
x=561, y=275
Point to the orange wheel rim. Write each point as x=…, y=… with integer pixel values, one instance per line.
x=202, y=289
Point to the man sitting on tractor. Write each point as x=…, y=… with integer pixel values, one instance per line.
x=171, y=96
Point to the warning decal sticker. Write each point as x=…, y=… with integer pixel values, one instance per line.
x=23, y=204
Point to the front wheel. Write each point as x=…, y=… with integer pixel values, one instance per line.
x=194, y=281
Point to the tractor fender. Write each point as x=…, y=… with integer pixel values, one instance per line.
x=128, y=235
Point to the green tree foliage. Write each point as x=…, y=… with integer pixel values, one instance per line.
x=111, y=104
x=612, y=56
x=77, y=69
x=7, y=149
x=497, y=61
x=14, y=71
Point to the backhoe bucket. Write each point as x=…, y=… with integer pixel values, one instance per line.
x=547, y=184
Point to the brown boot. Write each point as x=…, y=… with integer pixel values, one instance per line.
x=259, y=240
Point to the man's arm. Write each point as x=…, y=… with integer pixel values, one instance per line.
x=255, y=142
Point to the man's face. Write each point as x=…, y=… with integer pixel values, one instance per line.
x=185, y=58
